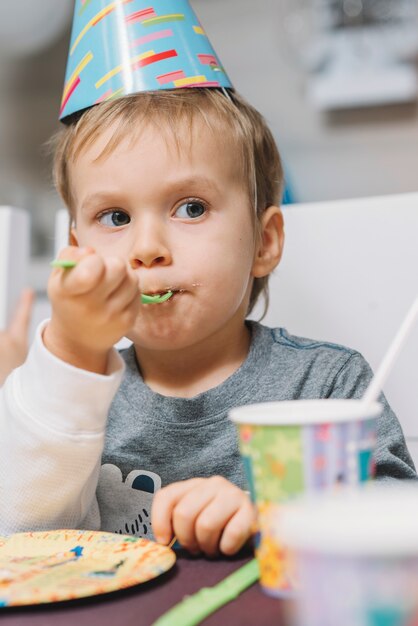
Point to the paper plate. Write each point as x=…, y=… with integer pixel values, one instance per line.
x=52, y=566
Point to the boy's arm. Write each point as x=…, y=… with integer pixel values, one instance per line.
x=392, y=456
x=52, y=424
x=53, y=409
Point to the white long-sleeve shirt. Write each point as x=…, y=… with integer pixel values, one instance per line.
x=52, y=427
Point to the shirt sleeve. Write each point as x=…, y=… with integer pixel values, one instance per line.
x=52, y=425
x=392, y=456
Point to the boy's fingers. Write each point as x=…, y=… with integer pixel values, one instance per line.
x=126, y=300
x=219, y=516
x=19, y=325
x=185, y=519
x=116, y=274
x=120, y=290
x=119, y=278
x=74, y=253
x=216, y=516
x=163, y=505
x=209, y=526
x=238, y=529
x=85, y=276
x=71, y=253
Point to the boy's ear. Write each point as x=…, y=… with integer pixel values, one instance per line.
x=73, y=240
x=270, y=245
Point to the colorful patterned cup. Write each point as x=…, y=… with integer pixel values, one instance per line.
x=289, y=448
x=356, y=554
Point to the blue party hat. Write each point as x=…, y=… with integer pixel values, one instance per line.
x=128, y=46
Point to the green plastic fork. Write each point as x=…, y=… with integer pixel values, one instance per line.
x=66, y=264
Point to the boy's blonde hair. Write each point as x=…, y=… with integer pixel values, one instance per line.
x=230, y=118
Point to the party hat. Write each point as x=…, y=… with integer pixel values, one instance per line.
x=122, y=47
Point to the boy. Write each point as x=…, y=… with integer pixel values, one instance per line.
x=161, y=189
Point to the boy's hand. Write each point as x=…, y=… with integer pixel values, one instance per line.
x=14, y=340
x=94, y=305
x=205, y=514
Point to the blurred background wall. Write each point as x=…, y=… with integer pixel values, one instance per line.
x=267, y=49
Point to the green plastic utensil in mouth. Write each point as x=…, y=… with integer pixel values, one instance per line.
x=157, y=298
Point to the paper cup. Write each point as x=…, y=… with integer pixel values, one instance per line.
x=356, y=554
x=289, y=448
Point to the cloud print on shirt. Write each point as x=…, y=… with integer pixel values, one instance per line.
x=125, y=506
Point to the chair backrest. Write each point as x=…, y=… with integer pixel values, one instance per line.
x=62, y=229
x=40, y=271
x=14, y=258
x=349, y=273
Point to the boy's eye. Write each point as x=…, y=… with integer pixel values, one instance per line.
x=191, y=210
x=114, y=218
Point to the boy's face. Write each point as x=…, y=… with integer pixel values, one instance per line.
x=182, y=220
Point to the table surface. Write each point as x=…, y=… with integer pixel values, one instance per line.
x=142, y=605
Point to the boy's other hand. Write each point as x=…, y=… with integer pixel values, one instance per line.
x=94, y=305
x=14, y=340
x=207, y=515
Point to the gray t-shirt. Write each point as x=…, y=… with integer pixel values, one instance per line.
x=154, y=440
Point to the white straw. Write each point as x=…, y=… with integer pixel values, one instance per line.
x=375, y=387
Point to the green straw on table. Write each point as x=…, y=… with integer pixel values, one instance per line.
x=193, y=609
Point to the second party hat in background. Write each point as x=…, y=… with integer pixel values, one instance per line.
x=128, y=46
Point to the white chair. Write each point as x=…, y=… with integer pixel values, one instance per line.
x=14, y=258
x=62, y=229
x=349, y=274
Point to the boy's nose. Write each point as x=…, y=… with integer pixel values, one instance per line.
x=149, y=248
